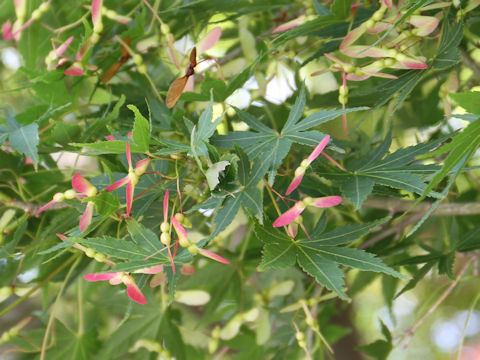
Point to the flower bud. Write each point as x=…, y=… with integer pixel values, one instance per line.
x=305, y=163
x=94, y=38
x=312, y=301
x=299, y=171
x=44, y=7
x=389, y=62
x=164, y=227
x=308, y=201
x=58, y=197
x=378, y=15
x=311, y=322
x=300, y=336
x=165, y=29
x=165, y=239
x=183, y=220
x=349, y=68
x=69, y=194
x=193, y=249
x=98, y=27
x=36, y=14
x=370, y=24
x=109, y=13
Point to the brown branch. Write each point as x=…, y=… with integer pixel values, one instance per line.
x=398, y=205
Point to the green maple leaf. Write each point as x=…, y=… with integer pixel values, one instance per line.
x=321, y=256
x=394, y=170
x=273, y=146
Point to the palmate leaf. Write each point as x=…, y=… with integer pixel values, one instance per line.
x=273, y=146
x=249, y=198
x=320, y=256
x=392, y=171
x=120, y=249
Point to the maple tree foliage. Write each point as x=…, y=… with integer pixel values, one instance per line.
x=223, y=180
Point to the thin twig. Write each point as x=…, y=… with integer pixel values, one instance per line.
x=399, y=205
x=411, y=331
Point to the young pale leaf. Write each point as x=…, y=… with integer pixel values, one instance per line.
x=141, y=130
x=213, y=173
